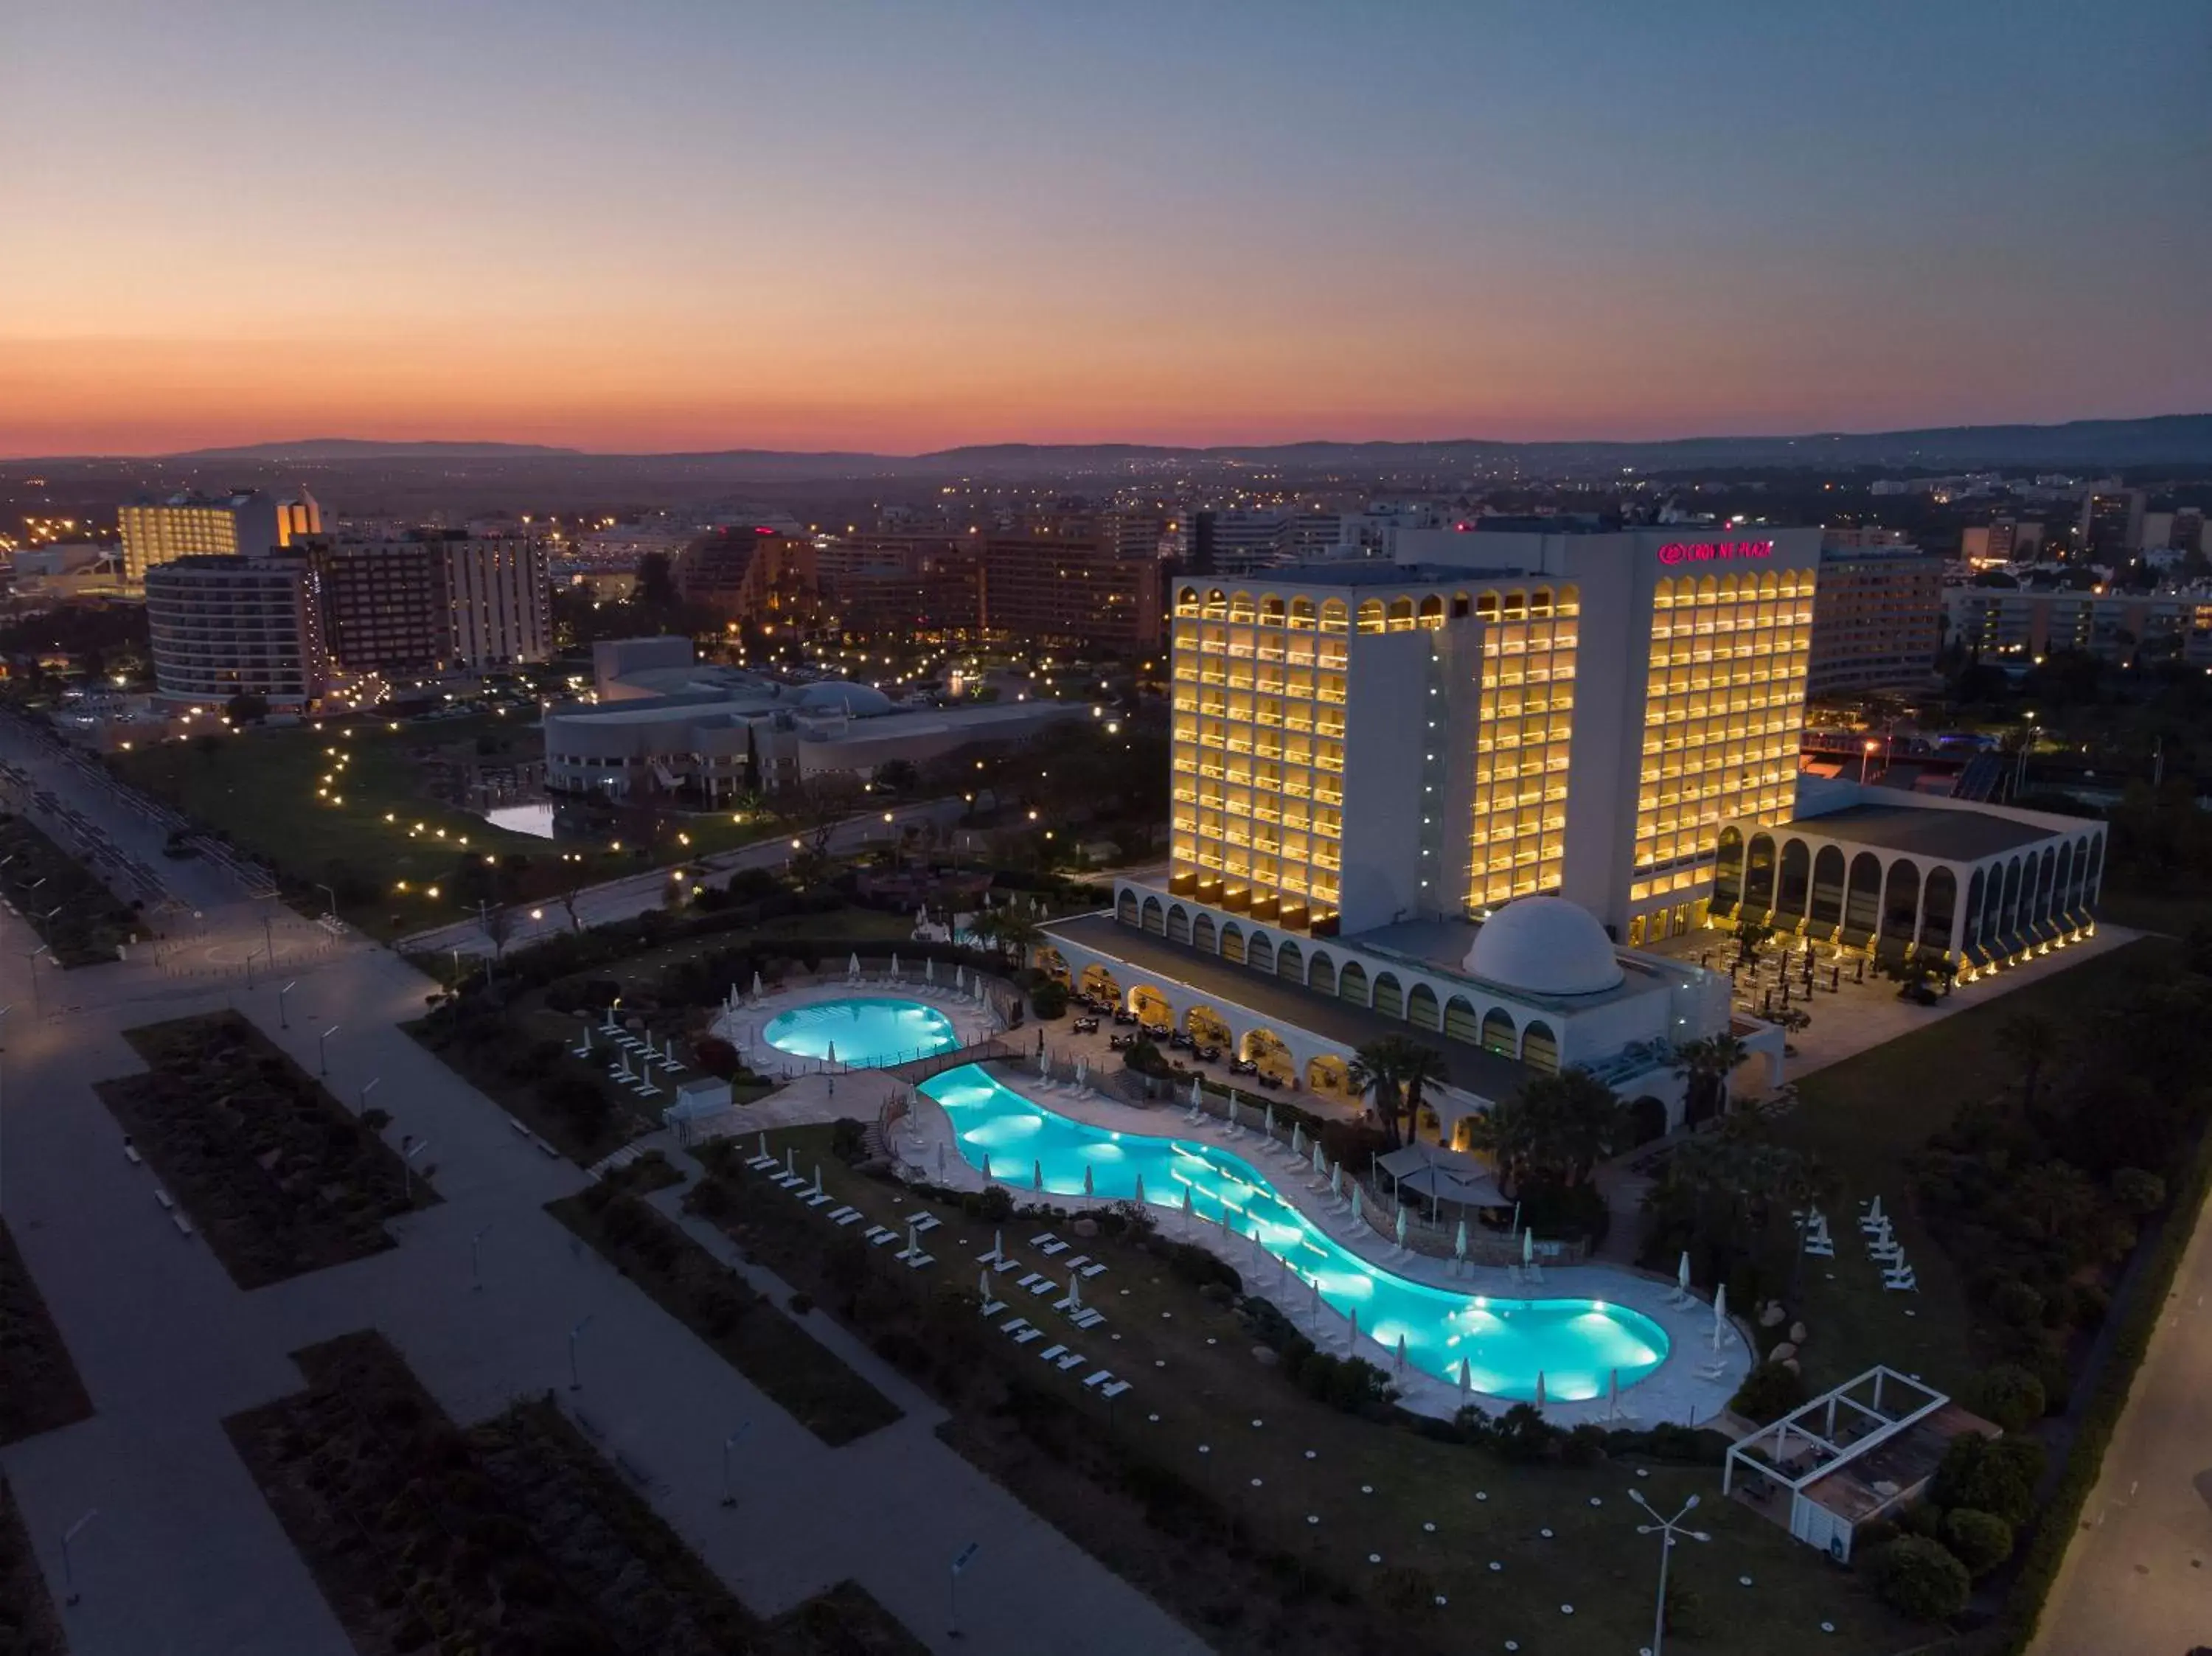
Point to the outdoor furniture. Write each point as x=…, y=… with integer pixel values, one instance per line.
x=1051, y=1247
x=1114, y=1390
x=992, y=1308
x=131, y=1155
x=1088, y=1318
x=1007, y=1264
x=1026, y=1280
x=1027, y=1335
x=1078, y=1262
x=1013, y=1327
x=1041, y=1238
x=1042, y=1285
x=815, y=1199
x=853, y=1217
x=840, y=1213
x=184, y=1225
x=883, y=1237
x=1093, y=1269
x=163, y=1197
x=1051, y=1352
x=1906, y=1284
x=1098, y=1378
x=916, y=1261
x=1073, y=1360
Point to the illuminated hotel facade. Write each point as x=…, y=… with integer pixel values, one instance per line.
x=1497, y=714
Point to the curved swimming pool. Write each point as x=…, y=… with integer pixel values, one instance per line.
x=864, y=1031
x=1576, y=1345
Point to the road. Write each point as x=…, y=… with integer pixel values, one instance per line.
x=185, y=1558
x=634, y=894
x=2138, y=1577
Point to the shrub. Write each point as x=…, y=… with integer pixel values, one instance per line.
x=1769, y=1391
x=1981, y=1541
x=2017, y=1303
x=716, y=1057
x=2138, y=1191
x=2009, y=1395
x=1992, y=1475
x=1919, y=1577
x=1050, y=1000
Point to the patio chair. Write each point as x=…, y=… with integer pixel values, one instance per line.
x=1906, y=1283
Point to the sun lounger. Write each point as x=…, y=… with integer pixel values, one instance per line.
x=1042, y=1285
x=1114, y=1390
x=1051, y=1247
x=1078, y=1262
x=1073, y=1360
x=1027, y=1335
x=919, y=1221
x=1908, y=1283
x=1051, y=1352
x=759, y=1161
x=184, y=1225
x=1098, y=1378
x=851, y=1217
x=1088, y=1318
x=1041, y=1238
x=1007, y=1265
x=1026, y=1280
x=1066, y=1302
x=815, y=1199
x=518, y=1127
x=1821, y=1250
x=131, y=1155
x=163, y=1197
x=884, y=1238
x=874, y=1231
x=1093, y=1270
x=992, y=1308
x=840, y=1213
x=916, y=1261
x=1015, y=1326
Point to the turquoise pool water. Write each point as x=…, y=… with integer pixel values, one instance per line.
x=864, y=1031
x=1575, y=1344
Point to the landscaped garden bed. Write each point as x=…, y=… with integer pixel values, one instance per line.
x=39, y=1385
x=801, y=1374
x=29, y=1626
x=1202, y=1484
x=509, y=1540
x=277, y=1175
x=79, y=920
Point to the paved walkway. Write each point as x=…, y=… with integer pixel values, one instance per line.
x=185, y=1556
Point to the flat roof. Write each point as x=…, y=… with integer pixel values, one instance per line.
x=1958, y=836
x=1485, y=1074
x=1439, y=947
x=1366, y=571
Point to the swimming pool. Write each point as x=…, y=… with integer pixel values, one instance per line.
x=866, y=1031
x=1575, y=1344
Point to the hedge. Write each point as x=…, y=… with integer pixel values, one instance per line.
x=2085, y=1460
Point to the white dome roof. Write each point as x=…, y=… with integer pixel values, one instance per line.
x=1545, y=945
x=843, y=696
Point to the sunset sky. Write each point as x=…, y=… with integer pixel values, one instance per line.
x=692, y=224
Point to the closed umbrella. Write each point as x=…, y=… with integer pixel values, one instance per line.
x=1044, y=1064
x=1613, y=1394
x=1298, y=1139
x=1528, y=1247
x=1268, y=1127
x=1089, y=1189
x=1401, y=1228
x=791, y=1162
x=1402, y=1354
x=1465, y=1380
x=1197, y=1094
x=1141, y=1190
x=1082, y=1072
x=1459, y=1242
x=1720, y=1314
x=960, y=978
x=940, y=1164
x=1320, y=1160
x=1356, y=1218
x=894, y=971
x=1336, y=1182
x=1036, y=1176
x=983, y=1286
x=853, y=965
x=1352, y=1344
x=1539, y=1388
x=913, y=1240
x=929, y=969
x=763, y=1145
x=986, y=1166
x=1185, y=1206
x=756, y=985
x=1682, y=1274
x=1074, y=1291
x=817, y=1170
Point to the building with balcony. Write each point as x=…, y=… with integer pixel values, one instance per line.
x=224, y=626
x=1877, y=618
x=2029, y=623
x=247, y=523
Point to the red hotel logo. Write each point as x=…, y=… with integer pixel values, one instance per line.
x=1707, y=551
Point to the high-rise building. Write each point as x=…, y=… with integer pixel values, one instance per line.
x=2112, y=525
x=753, y=575
x=223, y=626
x=1595, y=703
x=498, y=600
x=2121, y=627
x=384, y=605
x=1090, y=581
x=247, y=523
x=901, y=581
x=1234, y=543
x=1877, y=618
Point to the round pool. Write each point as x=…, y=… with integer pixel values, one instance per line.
x=1579, y=1346
x=866, y=1032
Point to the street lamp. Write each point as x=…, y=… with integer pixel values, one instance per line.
x=476, y=1263
x=322, y=1050
x=729, y=1496
x=368, y=1086
x=1667, y=1529
x=31, y=955
x=407, y=1164
x=69, y=1576
x=332, y=913
x=283, y=1021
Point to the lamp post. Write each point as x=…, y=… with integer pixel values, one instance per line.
x=332, y=913
x=729, y=1496
x=967, y=1556
x=31, y=955
x=575, y=1381
x=476, y=1259
x=407, y=1164
x=323, y=1052
x=68, y=1575
x=1667, y=1529
x=283, y=1019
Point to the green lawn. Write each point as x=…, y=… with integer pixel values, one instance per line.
x=1203, y=1405
x=1865, y=1117
x=78, y=918
x=355, y=797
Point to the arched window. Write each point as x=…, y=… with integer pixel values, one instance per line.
x=1460, y=1023
x=1155, y=917
x=1758, y=877
x=1321, y=975
x=1421, y=1009
x=1259, y=953
x=1232, y=942
x=1370, y=615
x=1217, y=604
x=1400, y=614
x=1302, y=614
x=1977, y=896
x=1794, y=886
x=1335, y=618
x=2012, y=896
x=1900, y=904
x=1240, y=608
x=1125, y=906
x=1539, y=601
x=1351, y=983
x=2065, y=897
x=1187, y=601
x=2047, y=868
x=1271, y=610
x=1201, y=933
x=1540, y=1047
x=1517, y=606
x=1290, y=961
x=1178, y=924
x=1728, y=871
x=1498, y=1034
x=1433, y=611
x=1828, y=886
x=1485, y=606
x=1862, y=904
x=1939, y=906
x=1570, y=601
x=1389, y=999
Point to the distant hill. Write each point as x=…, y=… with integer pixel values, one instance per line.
x=2163, y=439
x=360, y=448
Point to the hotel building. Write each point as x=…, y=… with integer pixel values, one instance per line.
x=227, y=627
x=1465, y=791
x=189, y=526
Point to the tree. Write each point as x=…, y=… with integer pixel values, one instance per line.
x=246, y=709
x=896, y=776
x=1394, y=1069
x=1707, y=1064
x=2010, y=1395
x=1919, y=1577
x=1554, y=1131
x=1981, y=1541
x=820, y=802
x=1750, y=937
x=2032, y=1040
x=498, y=925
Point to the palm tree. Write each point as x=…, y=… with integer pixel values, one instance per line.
x=1375, y=1068
x=1017, y=935
x=1423, y=1065
x=1577, y=1121
x=1707, y=1063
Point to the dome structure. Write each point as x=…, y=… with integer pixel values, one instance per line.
x=1545, y=946
x=833, y=696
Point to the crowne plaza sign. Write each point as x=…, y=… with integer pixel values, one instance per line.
x=1714, y=551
